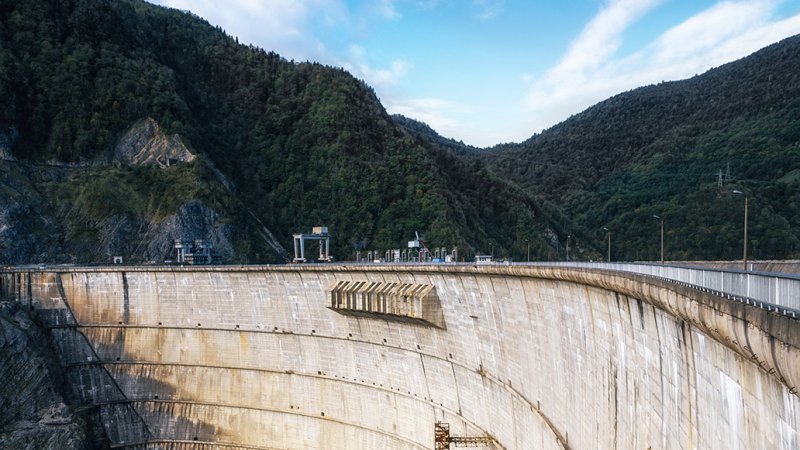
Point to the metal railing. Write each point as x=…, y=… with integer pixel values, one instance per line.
x=770, y=291
x=780, y=290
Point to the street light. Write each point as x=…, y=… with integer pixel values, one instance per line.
x=608, y=233
x=662, y=237
x=528, y=242
x=744, y=254
x=568, y=236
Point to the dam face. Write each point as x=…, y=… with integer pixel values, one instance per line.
x=532, y=358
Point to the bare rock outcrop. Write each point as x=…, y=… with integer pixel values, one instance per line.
x=23, y=210
x=146, y=144
x=194, y=220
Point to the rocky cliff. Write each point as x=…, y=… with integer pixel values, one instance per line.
x=147, y=144
x=151, y=191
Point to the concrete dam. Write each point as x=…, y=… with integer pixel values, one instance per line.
x=373, y=357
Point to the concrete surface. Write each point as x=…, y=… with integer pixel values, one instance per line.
x=537, y=357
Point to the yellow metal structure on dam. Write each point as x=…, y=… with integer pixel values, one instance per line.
x=371, y=357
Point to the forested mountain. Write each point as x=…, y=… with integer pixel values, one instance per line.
x=124, y=125
x=678, y=150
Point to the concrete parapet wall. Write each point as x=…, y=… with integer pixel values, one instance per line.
x=537, y=357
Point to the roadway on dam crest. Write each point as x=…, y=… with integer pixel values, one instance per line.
x=533, y=357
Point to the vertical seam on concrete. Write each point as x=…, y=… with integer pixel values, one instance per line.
x=425, y=375
x=126, y=302
x=452, y=366
x=660, y=366
x=687, y=348
x=30, y=289
x=690, y=360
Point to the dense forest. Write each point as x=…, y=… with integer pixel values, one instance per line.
x=678, y=150
x=283, y=146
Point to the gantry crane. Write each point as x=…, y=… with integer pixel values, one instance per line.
x=419, y=243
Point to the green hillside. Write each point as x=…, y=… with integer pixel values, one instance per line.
x=124, y=126
x=282, y=145
x=660, y=150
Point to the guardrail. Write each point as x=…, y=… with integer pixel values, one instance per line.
x=770, y=291
x=769, y=307
x=781, y=290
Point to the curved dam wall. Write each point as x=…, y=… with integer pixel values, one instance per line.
x=533, y=357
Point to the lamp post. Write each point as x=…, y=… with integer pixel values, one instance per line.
x=568, y=236
x=528, y=242
x=744, y=254
x=608, y=234
x=662, y=236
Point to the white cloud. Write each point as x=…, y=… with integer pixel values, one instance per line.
x=279, y=25
x=427, y=4
x=377, y=78
x=488, y=9
x=357, y=52
x=386, y=9
x=599, y=40
x=591, y=71
x=285, y=27
x=437, y=113
x=704, y=33
x=472, y=124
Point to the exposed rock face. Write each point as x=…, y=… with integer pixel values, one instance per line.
x=146, y=144
x=194, y=220
x=138, y=240
x=33, y=414
x=22, y=210
x=41, y=224
x=38, y=227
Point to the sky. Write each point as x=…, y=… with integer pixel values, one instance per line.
x=495, y=71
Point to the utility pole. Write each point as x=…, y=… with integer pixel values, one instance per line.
x=662, y=237
x=662, y=241
x=608, y=233
x=728, y=173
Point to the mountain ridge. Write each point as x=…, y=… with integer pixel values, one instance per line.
x=281, y=146
x=284, y=146
x=734, y=125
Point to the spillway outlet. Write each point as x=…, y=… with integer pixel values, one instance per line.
x=405, y=302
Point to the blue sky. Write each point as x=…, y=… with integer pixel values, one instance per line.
x=493, y=71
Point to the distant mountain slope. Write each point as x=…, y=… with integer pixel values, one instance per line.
x=660, y=150
x=124, y=125
x=424, y=131
x=280, y=146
